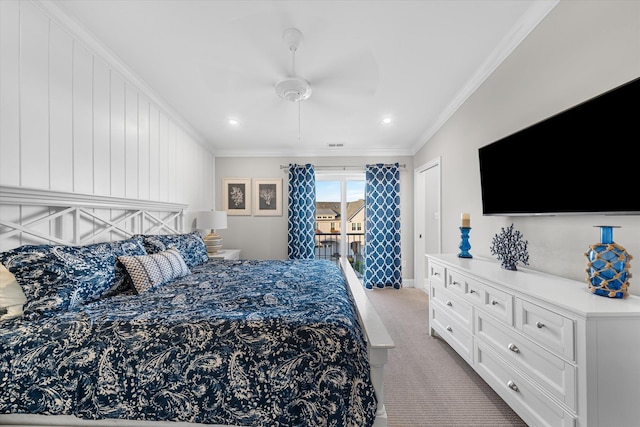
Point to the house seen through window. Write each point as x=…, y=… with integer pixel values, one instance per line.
x=340, y=218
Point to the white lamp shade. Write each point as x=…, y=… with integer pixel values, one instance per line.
x=215, y=220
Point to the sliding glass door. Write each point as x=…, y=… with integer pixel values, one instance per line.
x=340, y=217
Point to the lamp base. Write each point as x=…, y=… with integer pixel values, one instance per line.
x=213, y=242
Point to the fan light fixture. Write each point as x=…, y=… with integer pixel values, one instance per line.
x=293, y=88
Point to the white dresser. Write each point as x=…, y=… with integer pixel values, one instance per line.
x=556, y=353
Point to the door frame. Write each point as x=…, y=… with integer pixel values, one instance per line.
x=419, y=216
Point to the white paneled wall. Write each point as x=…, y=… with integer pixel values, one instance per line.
x=70, y=121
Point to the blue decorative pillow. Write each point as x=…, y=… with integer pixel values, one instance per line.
x=59, y=277
x=190, y=245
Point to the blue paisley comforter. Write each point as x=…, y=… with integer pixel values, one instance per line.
x=259, y=343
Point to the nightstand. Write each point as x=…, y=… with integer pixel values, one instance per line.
x=226, y=254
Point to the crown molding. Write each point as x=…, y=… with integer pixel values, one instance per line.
x=313, y=153
x=530, y=20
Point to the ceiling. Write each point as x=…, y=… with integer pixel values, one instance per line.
x=210, y=61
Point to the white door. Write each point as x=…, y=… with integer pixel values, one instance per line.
x=427, y=218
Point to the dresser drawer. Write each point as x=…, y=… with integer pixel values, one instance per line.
x=535, y=408
x=547, y=328
x=453, y=305
x=458, y=283
x=435, y=273
x=453, y=332
x=554, y=374
x=497, y=302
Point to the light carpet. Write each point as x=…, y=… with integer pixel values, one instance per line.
x=426, y=382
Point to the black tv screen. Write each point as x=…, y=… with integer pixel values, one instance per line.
x=580, y=161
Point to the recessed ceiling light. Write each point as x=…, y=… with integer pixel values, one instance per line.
x=387, y=121
x=233, y=122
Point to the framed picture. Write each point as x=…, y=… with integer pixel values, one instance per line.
x=236, y=196
x=267, y=197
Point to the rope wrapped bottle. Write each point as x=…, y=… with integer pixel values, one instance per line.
x=608, y=266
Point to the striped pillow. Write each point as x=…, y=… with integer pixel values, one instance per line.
x=147, y=271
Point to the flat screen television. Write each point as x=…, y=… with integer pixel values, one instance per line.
x=580, y=161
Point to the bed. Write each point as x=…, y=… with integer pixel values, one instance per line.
x=247, y=342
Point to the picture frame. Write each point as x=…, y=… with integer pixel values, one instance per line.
x=236, y=196
x=267, y=197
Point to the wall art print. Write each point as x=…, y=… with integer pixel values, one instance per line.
x=267, y=197
x=236, y=196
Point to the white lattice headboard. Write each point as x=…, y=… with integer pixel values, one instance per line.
x=32, y=216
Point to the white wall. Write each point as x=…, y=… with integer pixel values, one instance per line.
x=70, y=121
x=581, y=49
x=266, y=237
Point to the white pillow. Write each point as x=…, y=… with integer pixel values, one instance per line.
x=11, y=296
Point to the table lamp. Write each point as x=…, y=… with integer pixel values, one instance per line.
x=213, y=220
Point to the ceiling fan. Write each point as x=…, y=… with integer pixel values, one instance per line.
x=338, y=78
x=293, y=88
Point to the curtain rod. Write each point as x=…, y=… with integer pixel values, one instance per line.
x=343, y=167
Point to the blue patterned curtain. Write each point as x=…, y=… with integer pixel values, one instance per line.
x=382, y=264
x=302, y=212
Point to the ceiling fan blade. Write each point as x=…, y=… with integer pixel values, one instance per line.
x=259, y=39
x=354, y=72
x=231, y=78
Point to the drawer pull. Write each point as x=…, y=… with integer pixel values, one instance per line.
x=455, y=283
x=540, y=325
x=471, y=291
x=494, y=302
x=513, y=348
x=435, y=273
x=449, y=329
x=449, y=303
x=513, y=386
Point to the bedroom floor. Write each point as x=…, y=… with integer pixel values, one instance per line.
x=426, y=382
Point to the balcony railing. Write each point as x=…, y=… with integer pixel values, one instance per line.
x=328, y=246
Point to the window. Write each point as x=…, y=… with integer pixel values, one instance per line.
x=343, y=236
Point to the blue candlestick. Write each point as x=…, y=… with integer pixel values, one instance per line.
x=464, y=244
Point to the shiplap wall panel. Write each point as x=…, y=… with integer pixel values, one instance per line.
x=154, y=153
x=180, y=172
x=131, y=142
x=163, y=165
x=171, y=162
x=34, y=97
x=82, y=119
x=60, y=109
x=9, y=93
x=117, y=136
x=70, y=121
x=101, y=128
x=61, y=132
x=9, y=104
x=143, y=148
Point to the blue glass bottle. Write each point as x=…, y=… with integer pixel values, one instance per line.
x=608, y=266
